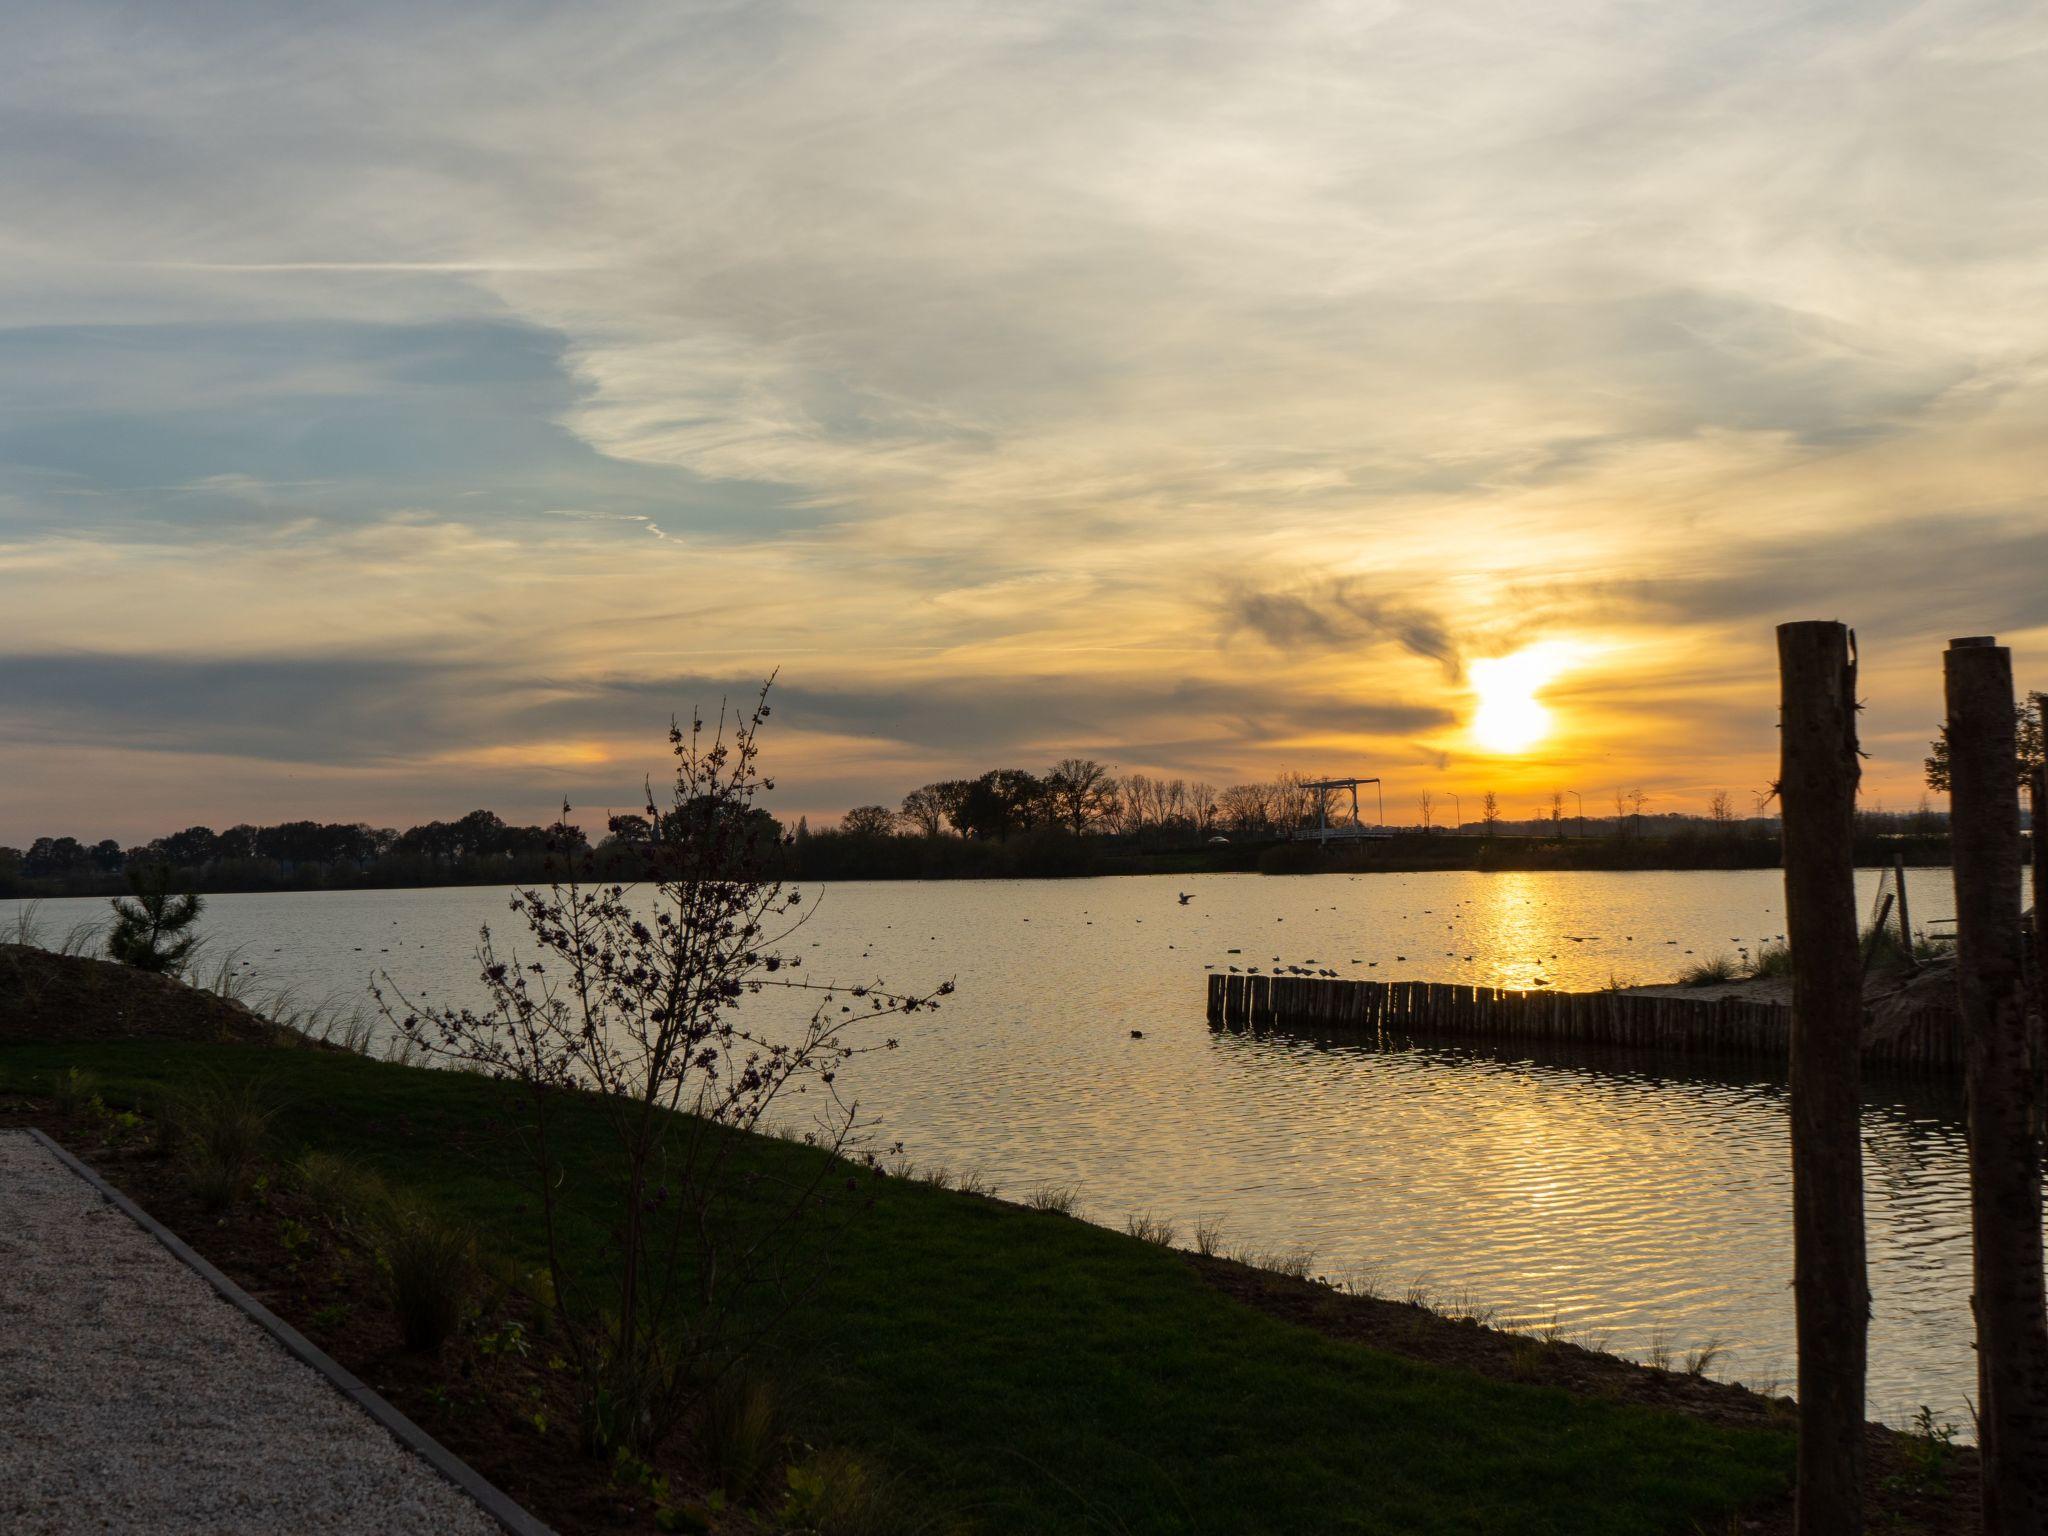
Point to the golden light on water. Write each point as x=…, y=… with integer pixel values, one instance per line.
x=1510, y=716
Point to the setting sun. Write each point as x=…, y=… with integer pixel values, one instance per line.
x=1510, y=717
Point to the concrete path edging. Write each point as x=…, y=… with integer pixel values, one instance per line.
x=493, y=1501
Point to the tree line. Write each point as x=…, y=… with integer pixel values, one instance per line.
x=294, y=854
x=1078, y=816
x=1081, y=796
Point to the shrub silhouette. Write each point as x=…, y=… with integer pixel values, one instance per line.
x=151, y=930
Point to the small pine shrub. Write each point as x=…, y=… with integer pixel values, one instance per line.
x=150, y=931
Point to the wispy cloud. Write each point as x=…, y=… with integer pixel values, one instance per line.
x=1367, y=336
x=1337, y=616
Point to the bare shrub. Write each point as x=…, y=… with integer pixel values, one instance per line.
x=631, y=1008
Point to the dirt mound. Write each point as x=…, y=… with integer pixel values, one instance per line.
x=46, y=996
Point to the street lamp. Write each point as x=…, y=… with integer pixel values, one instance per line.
x=1459, y=806
x=1582, y=809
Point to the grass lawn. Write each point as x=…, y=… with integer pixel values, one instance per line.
x=1029, y=1373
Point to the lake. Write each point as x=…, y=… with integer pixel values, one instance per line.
x=1643, y=1204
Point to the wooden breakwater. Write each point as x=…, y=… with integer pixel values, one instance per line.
x=1926, y=1039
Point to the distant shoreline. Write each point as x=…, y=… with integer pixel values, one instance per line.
x=1040, y=856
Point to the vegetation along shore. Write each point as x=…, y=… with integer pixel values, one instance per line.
x=972, y=1359
x=347, y=858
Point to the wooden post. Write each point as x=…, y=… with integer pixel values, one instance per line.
x=2037, y=869
x=1905, y=917
x=2002, y=1087
x=1884, y=915
x=1831, y=1292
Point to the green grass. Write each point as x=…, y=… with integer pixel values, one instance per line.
x=1025, y=1373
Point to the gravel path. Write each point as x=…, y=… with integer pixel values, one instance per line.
x=133, y=1398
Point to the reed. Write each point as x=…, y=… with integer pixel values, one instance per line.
x=1054, y=1199
x=1151, y=1229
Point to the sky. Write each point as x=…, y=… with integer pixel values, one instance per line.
x=406, y=408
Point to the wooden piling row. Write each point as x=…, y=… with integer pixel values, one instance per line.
x=1733, y=1027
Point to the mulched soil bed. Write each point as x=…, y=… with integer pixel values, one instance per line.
x=1902, y=1498
x=48, y=996
x=477, y=1397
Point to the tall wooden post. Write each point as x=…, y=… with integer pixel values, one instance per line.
x=2037, y=869
x=2001, y=1074
x=1905, y=916
x=1831, y=1293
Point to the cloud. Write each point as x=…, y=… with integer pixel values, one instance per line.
x=1337, y=616
x=994, y=386
x=368, y=708
x=1918, y=579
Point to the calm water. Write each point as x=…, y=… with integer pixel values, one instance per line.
x=1634, y=1201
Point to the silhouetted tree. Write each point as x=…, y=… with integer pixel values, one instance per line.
x=2027, y=717
x=924, y=811
x=188, y=849
x=868, y=821
x=55, y=856
x=150, y=932
x=1248, y=808
x=1000, y=802
x=629, y=829
x=1080, y=791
